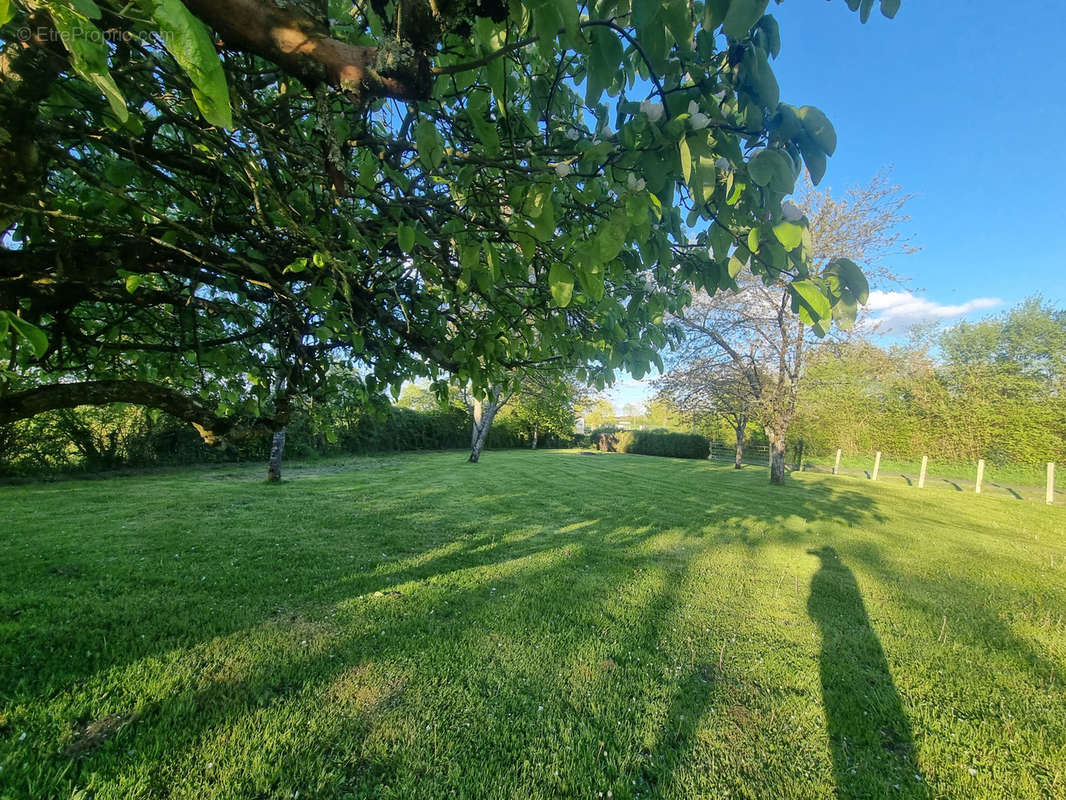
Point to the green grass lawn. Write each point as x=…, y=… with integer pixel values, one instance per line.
x=540, y=625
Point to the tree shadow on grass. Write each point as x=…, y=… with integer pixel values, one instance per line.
x=869, y=733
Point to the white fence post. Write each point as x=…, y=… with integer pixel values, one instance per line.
x=877, y=465
x=921, y=475
x=980, y=475
x=1049, y=497
x=836, y=466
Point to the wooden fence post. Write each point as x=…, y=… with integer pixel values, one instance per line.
x=921, y=475
x=877, y=465
x=1049, y=496
x=980, y=475
x=836, y=466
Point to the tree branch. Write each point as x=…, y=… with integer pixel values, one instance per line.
x=211, y=427
x=304, y=49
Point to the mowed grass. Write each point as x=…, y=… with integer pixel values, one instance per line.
x=541, y=625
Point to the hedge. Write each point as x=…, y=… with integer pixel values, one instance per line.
x=94, y=439
x=652, y=443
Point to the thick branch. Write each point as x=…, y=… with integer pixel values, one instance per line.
x=210, y=426
x=304, y=49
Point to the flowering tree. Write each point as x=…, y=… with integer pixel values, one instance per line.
x=745, y=349
x=261, y=194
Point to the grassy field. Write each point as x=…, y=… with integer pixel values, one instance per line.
x=540, y=625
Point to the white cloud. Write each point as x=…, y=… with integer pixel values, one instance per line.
x=895, y=312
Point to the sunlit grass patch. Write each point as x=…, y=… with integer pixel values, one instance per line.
x=539, y=625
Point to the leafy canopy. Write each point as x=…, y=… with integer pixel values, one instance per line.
x=423, y=191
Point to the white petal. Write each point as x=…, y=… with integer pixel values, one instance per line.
x=699, y=121
x=693, y=108
x=562, y=169
x=723, y=163
x=791, y=212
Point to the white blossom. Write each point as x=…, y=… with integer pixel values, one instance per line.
x=573, y=134
x=791, y=212
x=723, y=163
x=562, y=169
x=697, y=119
x=653, y=110
x=634, y=183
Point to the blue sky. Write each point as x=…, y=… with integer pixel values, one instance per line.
x=966, y=100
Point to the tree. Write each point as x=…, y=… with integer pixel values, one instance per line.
x=410, y=189
x=545, y=403
x=598, y=413
x=702, y=387
x=990, y=389
x=760, y=332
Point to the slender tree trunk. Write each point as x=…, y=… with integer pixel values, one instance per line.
x=277, y=450
x=484, y=414
x=777, y=454
x=535, y=430
x=742, y=423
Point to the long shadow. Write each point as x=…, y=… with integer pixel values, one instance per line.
x=1006, y=488
x=869, y=734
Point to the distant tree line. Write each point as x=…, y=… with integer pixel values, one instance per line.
x=994, y=389
x=98, y=438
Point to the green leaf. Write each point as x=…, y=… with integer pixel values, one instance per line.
x=539, y=196
x=405, y=237
x=561, y=282
x=677, y=14
x=85, y=43
x=6, y=15
x=742, y=15
x=686, y=160
x=789, y=234
x=813, y=157
x=809, y=301
x=851, y=277
x=721, y=240
x=819, y=128
x=189, y=41
x=605, y=60
x=768, y=25
x=87, y=8
x=772, y=169
x=865, y=7
x=890, y=7
x=36, y=338
x=430, y=150
x=753, y=240
x=132, y=282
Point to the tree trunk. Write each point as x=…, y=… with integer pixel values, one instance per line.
x=277, y=450
x=742, y=423
x=777, y=455
x=534, y=437
x=484, y=414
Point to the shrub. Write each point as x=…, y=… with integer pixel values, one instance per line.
x=649, y=443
